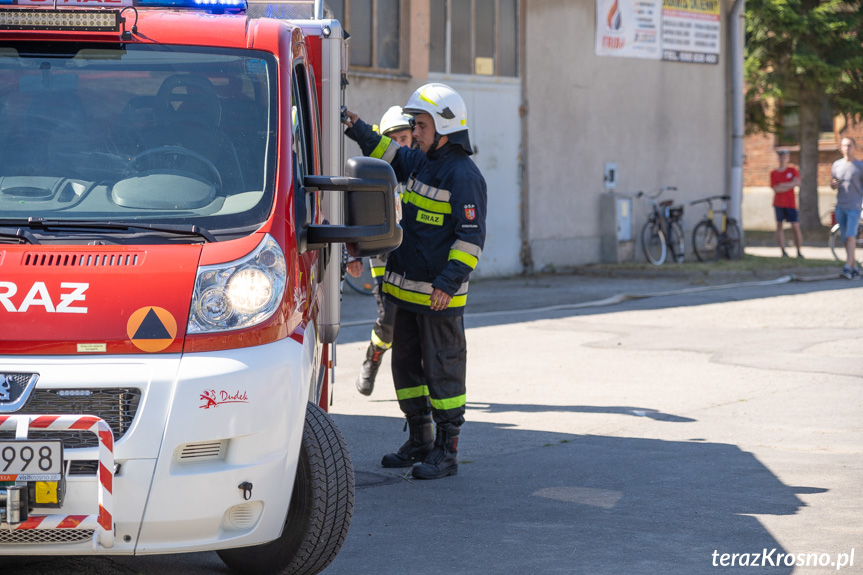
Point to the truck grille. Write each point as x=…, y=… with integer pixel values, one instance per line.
x=117, y=406
x=24, y=536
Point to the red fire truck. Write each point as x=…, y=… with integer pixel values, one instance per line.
x=173, y=205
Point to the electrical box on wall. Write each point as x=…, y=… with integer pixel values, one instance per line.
x=615, y=221
x=610, y=176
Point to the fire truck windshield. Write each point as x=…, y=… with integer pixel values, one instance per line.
x=138, y=134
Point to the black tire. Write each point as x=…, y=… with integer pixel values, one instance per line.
x=676, y=243
x=321, y=509
x=365, y=283
x=733, y=241
x=835, y=243
x=705, y=241
x=653, y=242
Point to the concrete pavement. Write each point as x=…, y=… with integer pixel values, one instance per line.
x=639, y=437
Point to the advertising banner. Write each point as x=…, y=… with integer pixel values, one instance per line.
x=628, y=28
x=691, y=31
x=673, y=30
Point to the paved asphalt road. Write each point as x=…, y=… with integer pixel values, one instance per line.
x=649, y=436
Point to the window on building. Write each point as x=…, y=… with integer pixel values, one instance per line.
x=375, y=29
x=789, y=122
x=478, y=37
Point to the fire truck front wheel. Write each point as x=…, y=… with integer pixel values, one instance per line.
x=321, y=508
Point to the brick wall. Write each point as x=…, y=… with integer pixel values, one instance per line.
x=760, y=156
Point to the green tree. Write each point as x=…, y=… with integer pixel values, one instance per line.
x=802, y=50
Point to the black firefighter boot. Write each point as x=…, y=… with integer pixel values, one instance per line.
x=417, y=446
x=443, y=459
x=366, y=378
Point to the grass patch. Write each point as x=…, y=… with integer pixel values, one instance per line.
x=817, y=236
x=755, y=263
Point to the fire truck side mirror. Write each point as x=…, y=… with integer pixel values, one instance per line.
x=370, y=211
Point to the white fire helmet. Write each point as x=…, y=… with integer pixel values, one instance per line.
x=446, y=107
x=394, y=120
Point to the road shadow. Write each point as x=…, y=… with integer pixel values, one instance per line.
x=538, y=502
x=527, y=501
x=610, y=409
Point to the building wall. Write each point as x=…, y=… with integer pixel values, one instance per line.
x=663, y=124
x=494, y=127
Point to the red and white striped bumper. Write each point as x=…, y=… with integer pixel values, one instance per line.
x=102, y=521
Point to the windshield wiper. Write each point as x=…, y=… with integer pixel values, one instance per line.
x=18, y=234
x=177, y=229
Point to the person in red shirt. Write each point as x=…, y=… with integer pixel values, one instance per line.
x=783, y=180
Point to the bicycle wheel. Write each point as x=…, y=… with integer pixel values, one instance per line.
x=676, y=243
x=363, y=284
x=653, y=242
x=732, y=243
x=835, y=243
x=705, y=241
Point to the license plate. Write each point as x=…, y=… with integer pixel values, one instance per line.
x=27, y=460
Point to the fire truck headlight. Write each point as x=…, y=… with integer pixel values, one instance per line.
x=214, y=306
x=250, y=290
x=239, y=294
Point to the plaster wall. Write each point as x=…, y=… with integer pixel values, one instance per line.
x=662, y=123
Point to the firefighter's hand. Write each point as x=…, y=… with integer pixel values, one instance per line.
x=440, y=300
x=355, y=268
x=350, y=119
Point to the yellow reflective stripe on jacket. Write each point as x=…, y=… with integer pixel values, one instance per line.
x=385, y=150
x=465, y=252
x=428, y=191
x=411, y=197
x=379, y=342
x=420, y=298
x=427, y=288
x=467, y=247
x=450, y=402
x=464, y=258
x=412, y=392
x=378, y=271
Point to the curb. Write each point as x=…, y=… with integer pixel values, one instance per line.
x=668, y=272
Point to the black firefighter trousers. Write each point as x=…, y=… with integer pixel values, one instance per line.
x=429, y=364
x=382, y=331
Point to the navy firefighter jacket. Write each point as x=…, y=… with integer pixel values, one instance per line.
x=443, y=220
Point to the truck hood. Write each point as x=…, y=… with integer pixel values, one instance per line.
x=95, y=300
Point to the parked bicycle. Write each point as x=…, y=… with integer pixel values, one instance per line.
x=363, y=284
x=709, y=241
x=662, y=233
x=837, y=246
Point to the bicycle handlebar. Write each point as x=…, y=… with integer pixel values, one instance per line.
x=657, y=193
x=710, y=199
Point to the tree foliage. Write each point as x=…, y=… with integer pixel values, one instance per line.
x=801, y=50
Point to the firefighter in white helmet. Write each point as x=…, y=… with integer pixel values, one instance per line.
x=443, y=218
x=396, y=126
